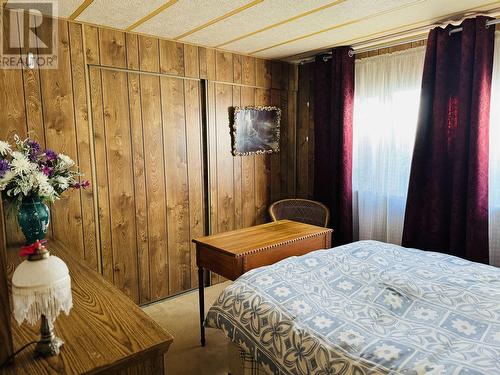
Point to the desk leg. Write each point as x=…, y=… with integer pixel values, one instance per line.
x=201, y=290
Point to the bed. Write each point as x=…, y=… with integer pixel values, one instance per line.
x=366, y=308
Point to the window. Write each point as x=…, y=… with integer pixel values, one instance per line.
x=494, y=170
x=387, y=96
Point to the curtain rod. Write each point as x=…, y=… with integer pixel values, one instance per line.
x=327, y=55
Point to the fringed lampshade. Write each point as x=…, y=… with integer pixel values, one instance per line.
x=41, y=288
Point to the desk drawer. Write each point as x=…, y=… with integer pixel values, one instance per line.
x=222, y=264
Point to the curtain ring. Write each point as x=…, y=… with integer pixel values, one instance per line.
x=350, y=53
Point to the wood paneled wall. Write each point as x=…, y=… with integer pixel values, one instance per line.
x=242, y=187
x=52, y=106
x=129, y=108
x=305, y=132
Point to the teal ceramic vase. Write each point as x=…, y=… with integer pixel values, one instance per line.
x=34, y=218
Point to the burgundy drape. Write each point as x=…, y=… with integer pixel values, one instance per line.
x=333, y=111
x=447, y=206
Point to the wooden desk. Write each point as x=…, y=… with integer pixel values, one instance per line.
x=231, y=254
x=105, y=332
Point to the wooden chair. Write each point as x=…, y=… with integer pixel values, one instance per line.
x=302, y=210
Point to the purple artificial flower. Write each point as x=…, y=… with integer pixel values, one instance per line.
x=51, y=155
x=34, y=150
x=46, y=170
x=4, y=167
x=82, y=185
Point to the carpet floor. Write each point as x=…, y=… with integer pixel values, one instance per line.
x=180, y=315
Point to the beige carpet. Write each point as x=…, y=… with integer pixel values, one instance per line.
x=179, y=315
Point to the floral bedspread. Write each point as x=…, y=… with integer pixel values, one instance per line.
x=366, y=308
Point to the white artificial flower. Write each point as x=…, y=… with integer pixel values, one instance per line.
x=25, y=185
x=282, y=291
x=345, y=285
x=46, y=190
x=425, y=314
x=18, y=155
x=393, y=300
x=62, y=182
x=351, y=338
x=386, y=352
x=425, y=367
x=20, y=164
x=300, y=307
x=322, y=322
x=4, y=148
x=464, y=327
x=7, y=177
x=65, y=161
x=41, y=178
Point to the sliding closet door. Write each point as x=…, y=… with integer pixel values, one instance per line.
x=148, y=152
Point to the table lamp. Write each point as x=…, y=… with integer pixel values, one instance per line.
x=41, y=289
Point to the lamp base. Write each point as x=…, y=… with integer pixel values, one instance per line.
x=49, y=348
x=49, y=344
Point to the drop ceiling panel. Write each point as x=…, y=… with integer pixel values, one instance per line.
x=186, y=15
x=342, y=14
x=419, y=15
x=119, y=14
x=260, y=16
x=67, y=7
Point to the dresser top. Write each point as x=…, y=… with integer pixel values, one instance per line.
x=242, y=241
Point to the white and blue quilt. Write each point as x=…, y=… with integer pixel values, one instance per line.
x=366, y=308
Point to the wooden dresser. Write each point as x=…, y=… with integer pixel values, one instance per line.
x=105, y=333
x=233, y=253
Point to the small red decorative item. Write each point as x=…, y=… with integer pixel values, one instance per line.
x=32, y=249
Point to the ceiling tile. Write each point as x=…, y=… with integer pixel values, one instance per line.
x=186, y=15
x=256, y=18
x=420, y=15
x=119, y=14
x=67, y=7
x=343, y=13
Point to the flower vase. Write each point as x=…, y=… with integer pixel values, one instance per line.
x=34, y=218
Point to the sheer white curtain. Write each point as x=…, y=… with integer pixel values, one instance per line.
x=494, y=172
x=386, y=104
